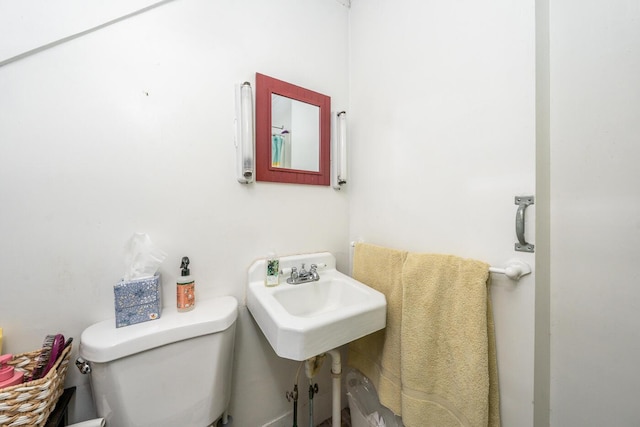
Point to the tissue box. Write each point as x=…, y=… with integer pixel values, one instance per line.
x=137, y=300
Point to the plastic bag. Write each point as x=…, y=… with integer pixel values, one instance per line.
x=142, y=258
x=366, y=409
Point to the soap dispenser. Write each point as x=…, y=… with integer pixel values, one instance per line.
x=8, y=375
x=186, y=288
x=272, y=276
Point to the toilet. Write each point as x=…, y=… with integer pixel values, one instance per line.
x=173, y=371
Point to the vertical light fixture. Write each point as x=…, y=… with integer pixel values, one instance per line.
x=245, y=146
x=340, y=172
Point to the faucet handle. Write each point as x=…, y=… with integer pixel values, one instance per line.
x=294, y=272
x=313, y=273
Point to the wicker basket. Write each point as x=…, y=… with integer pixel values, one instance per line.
x=30, y=403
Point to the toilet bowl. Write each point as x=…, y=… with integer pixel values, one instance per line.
x=173, y=371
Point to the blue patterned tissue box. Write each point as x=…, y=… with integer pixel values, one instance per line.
x=137, y=300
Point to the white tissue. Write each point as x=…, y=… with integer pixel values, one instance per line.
x=142, y=258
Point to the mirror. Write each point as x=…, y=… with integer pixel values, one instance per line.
x=294, y=124
x=292, y=133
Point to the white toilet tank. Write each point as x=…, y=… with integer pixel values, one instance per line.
x=173, y=371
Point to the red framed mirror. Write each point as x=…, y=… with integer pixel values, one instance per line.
x=293, y=133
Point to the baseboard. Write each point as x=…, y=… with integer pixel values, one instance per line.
x=321, y=411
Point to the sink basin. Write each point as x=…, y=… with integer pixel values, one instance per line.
x=302, y=321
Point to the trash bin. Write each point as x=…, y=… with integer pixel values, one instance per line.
x=364, y=405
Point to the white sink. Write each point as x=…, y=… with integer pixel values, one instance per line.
x=302, y=321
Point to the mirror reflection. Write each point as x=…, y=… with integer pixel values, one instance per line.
x=295, y=134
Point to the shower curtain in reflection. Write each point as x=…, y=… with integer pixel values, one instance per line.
x=277, y=151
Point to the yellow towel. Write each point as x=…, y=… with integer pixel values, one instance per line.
x=435, y=362
x=448, y=364
x=377, y=355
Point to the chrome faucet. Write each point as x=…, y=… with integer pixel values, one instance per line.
x=303, y=276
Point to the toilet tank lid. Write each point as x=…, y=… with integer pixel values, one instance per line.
x=103, y=342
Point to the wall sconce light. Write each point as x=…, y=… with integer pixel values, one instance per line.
x=245, y=135
x=340, y=150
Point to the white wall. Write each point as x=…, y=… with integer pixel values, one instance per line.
x=595, y=130
x=130, y=128
x=442, y=125
x=19, y=19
